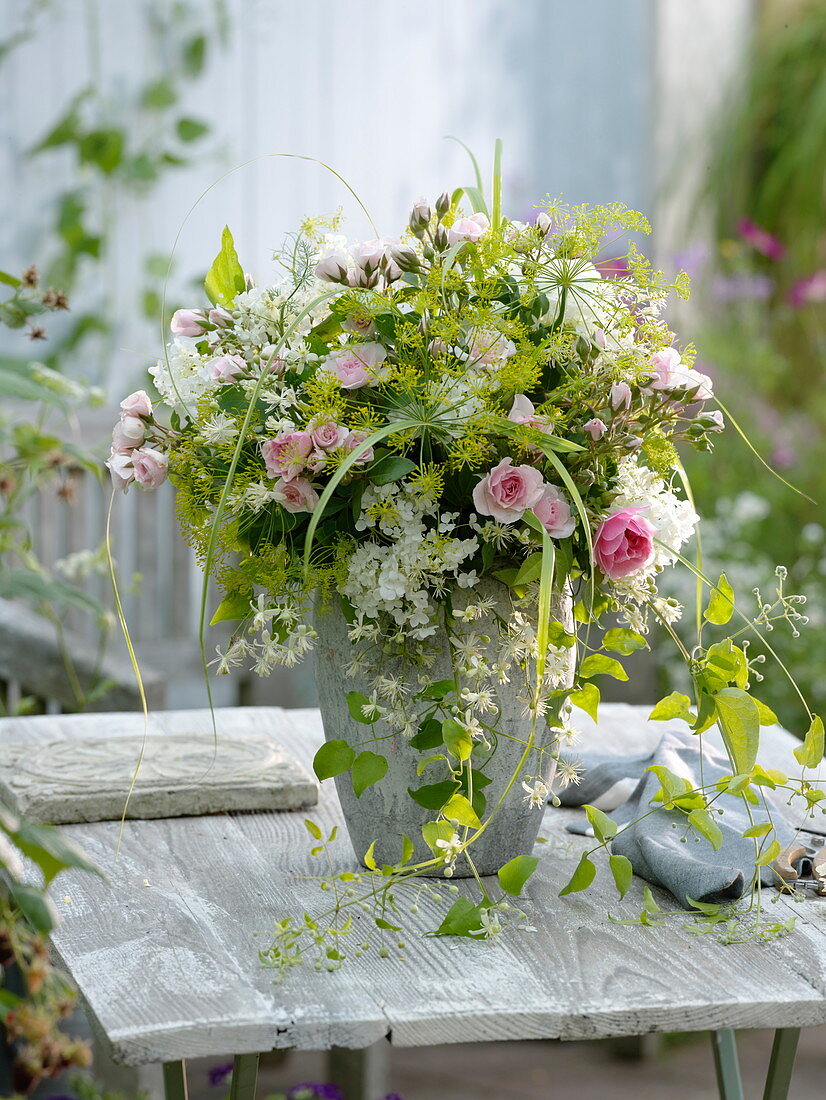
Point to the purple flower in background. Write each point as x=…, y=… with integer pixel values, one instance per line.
x=392, y=1096
x=217, y=1075
x=692, y=259
x=613, y=268
x=812, y=288
x=309, y=1091
x=742, y=288
x=761, y=240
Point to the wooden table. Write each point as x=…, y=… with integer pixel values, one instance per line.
x=165, y=952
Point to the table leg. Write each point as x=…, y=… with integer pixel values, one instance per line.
x=360, y=1074
x=782, y=1063
x=729, y=1083
x=244, y=1077
x=174, y=1081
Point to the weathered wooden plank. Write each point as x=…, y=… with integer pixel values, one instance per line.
x=170, y=968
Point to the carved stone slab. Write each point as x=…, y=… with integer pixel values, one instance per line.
x=82, y=773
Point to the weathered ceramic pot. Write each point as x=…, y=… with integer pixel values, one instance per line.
x=385, y=812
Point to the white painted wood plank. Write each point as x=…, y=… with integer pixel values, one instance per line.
x=170, y=969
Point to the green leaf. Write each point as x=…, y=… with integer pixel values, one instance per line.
x=558, y=635
x=22, y=387
x=457, y=808
x=436, y=830
x=369, y=858
x=226, y=276
x=767, y=715
x=600, y=665
x=438, y=689
x=103, y=148
x=313, y=829
x=623, y=873
x=516, y=872
x=36, y=907
x=234, y=606
x=768, y=777
x=582, y=877
x=333, y=758
x=457, y=739
x=9, y=280
x=433, y=795
x=530, y=570
x=648, y=901
x=622, y=640
x=368, y=768
x=190, y=129
x=428, y=736
x=810, y=753
x=721, y=602
x=407, y=849
x=158, y=95
x=706, y=826
x=356, y=702
x=674, y=705
x=587, y=699
x=739, y=721
x=193, y=54
x=462, y=919
x=390, y=468
x=49, y=849
x=759, y=830
x=768, y=854
x=604, y=828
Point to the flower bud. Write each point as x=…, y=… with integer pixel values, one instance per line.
x=543, y=223
x=333, y=268
x=443, y=204
x=419, y=217
x=440, y=238
x=404, y=257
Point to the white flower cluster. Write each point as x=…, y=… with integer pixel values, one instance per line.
x=401, y=576
x=674, y=518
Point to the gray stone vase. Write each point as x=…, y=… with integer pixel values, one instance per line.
x=385, y=812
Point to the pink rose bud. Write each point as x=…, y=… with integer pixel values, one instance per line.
x=121, y=471
x=150, y=466
x=355, y=440
x=554, y=513
x=128, y=433
x=599, y=338
x=329, y=436
x=356, y=366
x=369, y=255
x=624, y=543
x=443, y=204
x=713, y=421
x=508, y=491
x=297, y=495
x=522, y=410
x=419, y=217
x=468, y=229
x=286, y=455
x=187, y=322
x=544, y=223
x=595, y=428
x=137, y=404
x=620, y=395
x=226, y=367
x=333, y=267
x=220, y=317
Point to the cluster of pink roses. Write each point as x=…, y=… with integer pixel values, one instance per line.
x=508, y=491
x=129, y=459
x=193, y=323
x=366, y=262
x=356, y=366
x=290, y=454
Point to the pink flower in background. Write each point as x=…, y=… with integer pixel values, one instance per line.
x=624, y=543
x=620, y=396
x=226, y=367
x=554, y=513
x=150, y=466
x=287, y=454
x=761, y=240
x=296, y=495
x=329, y=436
x=812, y=288
x=468, y=229
x=508, y=491
x=356, y=366
x=128, y=433
x=121, y=471
x=354, y=440
x=137, y=404
x=595, y=428
x=187, y=322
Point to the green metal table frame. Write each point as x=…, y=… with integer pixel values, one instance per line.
x=724, y=1044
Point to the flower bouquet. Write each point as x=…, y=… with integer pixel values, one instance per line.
x=442, y=461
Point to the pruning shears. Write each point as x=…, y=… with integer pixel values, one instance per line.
x=802, y=864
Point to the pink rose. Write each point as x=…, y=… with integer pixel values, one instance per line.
x=356, y=366
x=297, y=495
x=137, y=404
x=226, y=367
x=508, y=491
x=368, y=255
x=354, y=440
x=599, y=338
x=128, y=433
x=333, y=267
x=523, y=412
x=468, y=229
x=187, y=322
x=595, y=428
x=287, y=454
x=361, y=326
x=150, y=466
x=120, y=468
x=624, y=543
x=329, y=436
x=620, y=395
x=491, y=347
x=554, y=513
